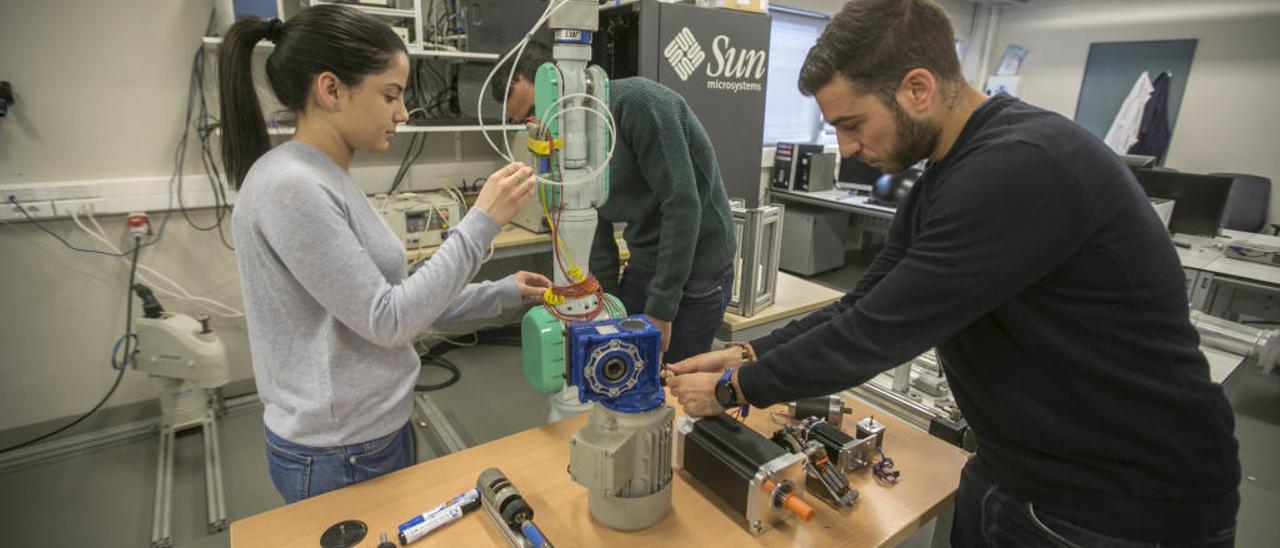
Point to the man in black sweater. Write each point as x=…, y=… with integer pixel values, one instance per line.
x=1029, y=257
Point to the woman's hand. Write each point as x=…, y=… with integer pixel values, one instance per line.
x=505, y=192
x=532, y=285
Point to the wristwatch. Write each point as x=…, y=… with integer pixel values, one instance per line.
x=726, y=396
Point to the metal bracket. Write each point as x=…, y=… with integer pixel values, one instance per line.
x=435, y=420
x=215, y=498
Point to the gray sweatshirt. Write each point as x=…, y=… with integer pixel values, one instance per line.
x=331, y=310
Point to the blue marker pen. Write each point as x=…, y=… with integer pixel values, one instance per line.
x=439, y=516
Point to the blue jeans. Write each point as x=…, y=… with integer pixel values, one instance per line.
x=986, y=515
x=300, y=472
x=699, y=314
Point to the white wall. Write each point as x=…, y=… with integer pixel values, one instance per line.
x=961, y=11
x=1229, y=112
x=100, y=89
x=969, y=24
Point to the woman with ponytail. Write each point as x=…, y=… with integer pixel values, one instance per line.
x=332, y=311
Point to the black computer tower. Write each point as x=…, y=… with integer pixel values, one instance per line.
x=716, y=58
x=791, y=165
x=494, y=26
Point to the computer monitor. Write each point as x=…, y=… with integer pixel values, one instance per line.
x=855, y=174
x=1199, y=200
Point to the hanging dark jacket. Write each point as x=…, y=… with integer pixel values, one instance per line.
x=1153, y=132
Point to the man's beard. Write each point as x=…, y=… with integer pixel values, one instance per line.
x=914, y=140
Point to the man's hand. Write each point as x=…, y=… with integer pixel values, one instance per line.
x=532, y=285
x=666, y=330
x=696, y=392
x=710, y=362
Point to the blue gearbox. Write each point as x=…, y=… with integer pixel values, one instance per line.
x=617, y=362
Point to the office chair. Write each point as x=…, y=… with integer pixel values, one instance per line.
x=1247, y=203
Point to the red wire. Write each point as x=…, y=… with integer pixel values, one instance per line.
x=551, y=150
x=589, y=286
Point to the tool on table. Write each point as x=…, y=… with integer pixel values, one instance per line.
x=509, y=511
x=830, y=408
x=384, y=543
x=824, y=478
x=439, y=516
x=344, y=534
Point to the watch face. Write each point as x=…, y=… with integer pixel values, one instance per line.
x=724, y=394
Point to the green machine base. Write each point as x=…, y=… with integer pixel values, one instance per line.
x=542, y=351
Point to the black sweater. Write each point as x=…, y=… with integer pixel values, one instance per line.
x=1031, y=259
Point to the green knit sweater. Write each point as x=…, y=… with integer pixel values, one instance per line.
x=664, y=183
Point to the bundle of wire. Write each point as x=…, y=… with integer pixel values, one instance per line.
x=584, y=285
x=883, y=468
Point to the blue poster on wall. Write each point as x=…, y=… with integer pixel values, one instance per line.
x=1113, y=67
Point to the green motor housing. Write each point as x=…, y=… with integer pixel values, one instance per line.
x=542, y=351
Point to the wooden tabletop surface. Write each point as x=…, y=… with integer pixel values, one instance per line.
x=795, y=296
x=510, y=236
x=536, y=460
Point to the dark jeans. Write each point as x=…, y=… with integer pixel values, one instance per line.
x=986, y=515
x=699, y=314
x=300, y=472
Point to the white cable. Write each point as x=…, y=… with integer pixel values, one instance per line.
x=608, y=121
x=426, y=336
x=209, y=304
x=56, y=254
x=462, y=200
x=506, y=96
x=453, y=194
x=599, y=169
x=457, y=343
x=100, y=235
x=518, y=50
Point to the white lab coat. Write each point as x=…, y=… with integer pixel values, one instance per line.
x=1124, y=129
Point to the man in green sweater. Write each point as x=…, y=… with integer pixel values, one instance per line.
x=665, y=185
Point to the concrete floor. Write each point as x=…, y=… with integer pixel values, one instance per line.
x=103, y=498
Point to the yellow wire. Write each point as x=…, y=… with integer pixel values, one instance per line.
x=555, y=237
x=574, y=274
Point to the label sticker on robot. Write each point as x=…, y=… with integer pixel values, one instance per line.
x=606, y=330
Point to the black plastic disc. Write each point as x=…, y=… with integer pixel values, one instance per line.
x=344, y=534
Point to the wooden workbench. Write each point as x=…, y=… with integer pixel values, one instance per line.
x=510, y=238
x=536, y=461
x=795, y=297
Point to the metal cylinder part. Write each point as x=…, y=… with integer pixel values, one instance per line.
x=499, y=492
x=1262, y=345
x=624, y=461
x=902, y=378
x=829, y=408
